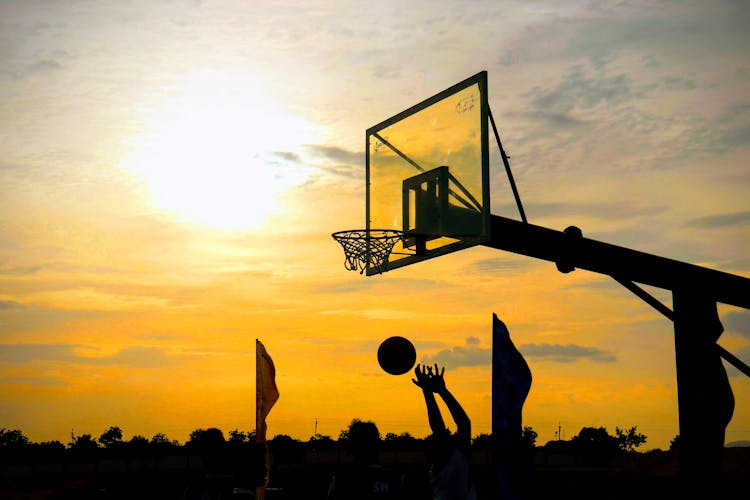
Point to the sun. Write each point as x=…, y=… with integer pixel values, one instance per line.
x=220, y=152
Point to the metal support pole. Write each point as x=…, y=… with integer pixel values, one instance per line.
x=704, y=396
x=705, y=399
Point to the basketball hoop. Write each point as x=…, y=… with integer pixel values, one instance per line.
x=363, y=247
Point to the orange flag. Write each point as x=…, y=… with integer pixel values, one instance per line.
x=266, y=392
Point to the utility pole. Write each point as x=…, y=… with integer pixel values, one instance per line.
x=558, y=433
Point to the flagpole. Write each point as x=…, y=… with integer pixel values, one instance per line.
x=260, y=432
x=266, y=395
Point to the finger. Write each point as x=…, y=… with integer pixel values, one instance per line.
x=442, y=371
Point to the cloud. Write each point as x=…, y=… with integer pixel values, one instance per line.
x=132, y=356
x=6, y=305
x=557, y=120
x=601, y=32
x=566, y=353
x=720, y=220
x=287, y=156
x=33, y=381
x=743, y=354
x=470, y=354
x=344, y=287
x=335, y=153
x=337, y=161
x=140, y=356
x=678, y=83
x=577, y=90
x=499, y=265
x=25, y=353
x=357, y=285
x=737, y=322
x=20, y=271
x=473, y=354
x=735, y=137
x=604, y=210
x=43, y=66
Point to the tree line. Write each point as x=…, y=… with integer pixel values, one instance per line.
x=14, y=445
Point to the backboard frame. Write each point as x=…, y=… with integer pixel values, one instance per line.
x=483, y=236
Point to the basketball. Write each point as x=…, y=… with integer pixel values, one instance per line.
x=396, y=355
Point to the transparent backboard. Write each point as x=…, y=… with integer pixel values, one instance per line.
x=428, y=174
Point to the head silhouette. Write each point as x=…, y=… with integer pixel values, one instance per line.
x=364, y=440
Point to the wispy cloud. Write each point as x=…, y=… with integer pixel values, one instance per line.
x=737, y=322
x=743, y=354
x=469, y=354
x=580, y=89
x=720, y=220
x=19, y=271
x=604, y=210
x=6, y=305
x=473, y=354
x=140, y=356
x=25, y=353
x=33, y=381
x=499, y=265
x=566, y=353
x=336, y=160
x=603, y=31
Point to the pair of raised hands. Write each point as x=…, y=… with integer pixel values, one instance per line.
x=429, y=380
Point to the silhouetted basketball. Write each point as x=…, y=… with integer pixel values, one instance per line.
x=396, y=355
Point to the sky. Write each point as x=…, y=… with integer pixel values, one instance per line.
x=171, y=173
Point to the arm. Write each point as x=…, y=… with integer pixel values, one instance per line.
x=463, y=423
x=423, y=381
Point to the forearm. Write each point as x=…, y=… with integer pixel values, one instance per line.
x=463, y=423
x=434, y=417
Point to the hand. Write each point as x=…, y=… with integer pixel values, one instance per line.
x=437, y=381
x=423, y=377
x=429, y=381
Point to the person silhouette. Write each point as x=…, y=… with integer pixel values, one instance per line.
x=448, y=454
x=364, y=478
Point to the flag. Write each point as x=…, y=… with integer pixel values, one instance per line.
x=266, y=395
x=511, y=376
x=266, y=392
x=511, y=382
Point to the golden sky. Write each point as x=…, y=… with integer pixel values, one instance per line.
x=171, y=173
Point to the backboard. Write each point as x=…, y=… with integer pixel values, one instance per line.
x=427, y=174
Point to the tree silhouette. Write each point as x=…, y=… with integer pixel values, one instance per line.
x=50, y=451
x=403, y=441
x=211, y=445
x=111, y=438
x=595, y=441
x=628, y=440
x=161, y=442
x=12, y=438
x=674, y=444
x=285, y=449
x=13, y=445
x=83, y=446
x=138, y=445
x=321, y=442
x=238, y=437
x=363, y=439
x=482, y=442
x=528, y=437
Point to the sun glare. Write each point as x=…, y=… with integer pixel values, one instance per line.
x=220, y=152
